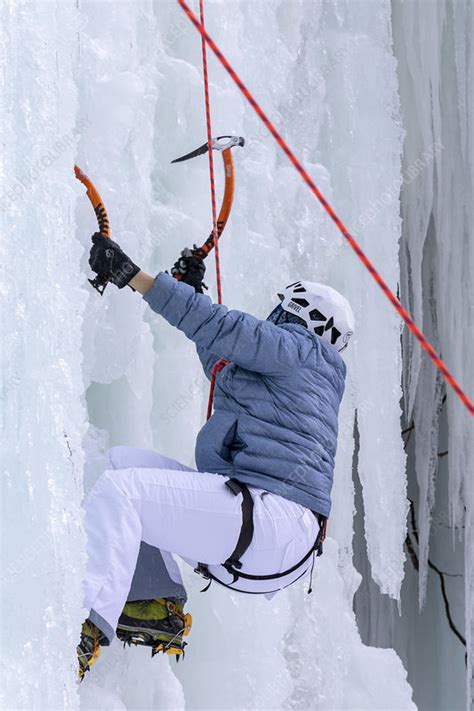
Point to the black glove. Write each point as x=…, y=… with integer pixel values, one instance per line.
x=190, y=266
x=110, y=263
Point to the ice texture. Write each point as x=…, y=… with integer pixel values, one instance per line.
x=43, y=410
x=122, y=84
x=433, y=43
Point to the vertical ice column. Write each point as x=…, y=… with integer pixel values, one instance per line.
x=434, y=46
x=361, y=147
x=417, y=29
x=42, y=391
x=116, y=76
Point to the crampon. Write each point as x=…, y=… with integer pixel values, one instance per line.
x=88, y=649
x=160, y=624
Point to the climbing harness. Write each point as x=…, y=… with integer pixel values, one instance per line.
x=419, y=335
x=233, y=564
x=102, y=219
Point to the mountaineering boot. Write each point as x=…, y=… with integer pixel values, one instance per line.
x=88, y=649
x=160, y=624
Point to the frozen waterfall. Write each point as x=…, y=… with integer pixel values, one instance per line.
x=361, y=91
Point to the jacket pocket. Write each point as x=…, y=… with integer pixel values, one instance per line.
x=232, y=443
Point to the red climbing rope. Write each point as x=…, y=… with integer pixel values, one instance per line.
x=342, y=228
x=211, y=159
x=213, y=195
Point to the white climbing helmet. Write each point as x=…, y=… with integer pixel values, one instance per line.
x=324, y=310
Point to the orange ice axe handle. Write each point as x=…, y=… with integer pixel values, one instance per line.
x=99, y=283
x=224, y=144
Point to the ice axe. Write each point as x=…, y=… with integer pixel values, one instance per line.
x=224, y=144
x=99, y=283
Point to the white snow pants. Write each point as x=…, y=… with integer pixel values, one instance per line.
x=146, y=497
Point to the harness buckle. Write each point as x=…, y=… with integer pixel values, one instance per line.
x=202, y=569
x=231, y=563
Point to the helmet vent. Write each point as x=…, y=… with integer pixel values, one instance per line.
x=301, y=302
x=316, y=315
x=300, y=290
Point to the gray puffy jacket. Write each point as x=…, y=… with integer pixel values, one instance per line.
x=276, y=403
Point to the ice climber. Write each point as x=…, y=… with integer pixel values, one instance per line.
x=252, y=515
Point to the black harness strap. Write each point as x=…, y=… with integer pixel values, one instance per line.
x=212, y=578
x=233, y=563
x=247, y=529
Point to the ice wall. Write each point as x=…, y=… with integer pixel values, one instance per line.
x=362, y=111
x=124, y=80
x=433, y=44
x=43, y=413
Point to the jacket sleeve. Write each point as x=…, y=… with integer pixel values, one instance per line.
x=255, y=345
x=208, y=360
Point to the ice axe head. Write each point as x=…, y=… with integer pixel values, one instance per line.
x=221, y=143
